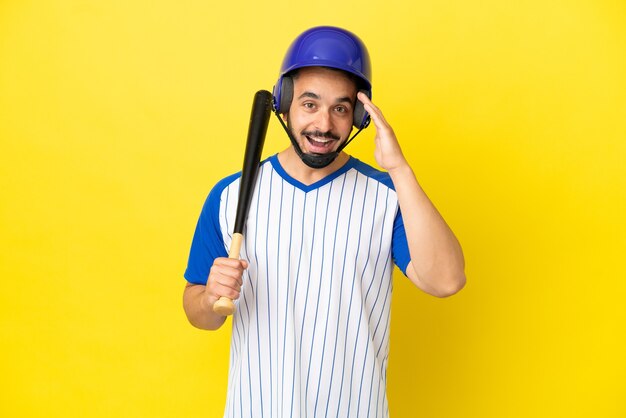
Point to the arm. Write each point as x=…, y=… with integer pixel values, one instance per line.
x=437, y=264
x=224, y=280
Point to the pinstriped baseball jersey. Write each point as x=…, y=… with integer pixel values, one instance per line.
x=310, y=333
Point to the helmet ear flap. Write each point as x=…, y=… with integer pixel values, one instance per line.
x=360, y=117
x=285, y=94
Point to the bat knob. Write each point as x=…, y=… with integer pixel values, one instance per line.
x=224, y=306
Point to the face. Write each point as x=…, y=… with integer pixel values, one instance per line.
x=320, y=116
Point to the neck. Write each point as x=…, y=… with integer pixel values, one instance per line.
x=294, y=166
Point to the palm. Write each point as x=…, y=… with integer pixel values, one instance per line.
x=388, y=153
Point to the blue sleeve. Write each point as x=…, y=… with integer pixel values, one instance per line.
x=208, y=242
x=399, y=245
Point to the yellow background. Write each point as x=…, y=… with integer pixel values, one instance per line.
x=116, y=118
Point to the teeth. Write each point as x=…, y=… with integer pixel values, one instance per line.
x=322, y=140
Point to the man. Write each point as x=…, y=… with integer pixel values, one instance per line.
x=313, y=288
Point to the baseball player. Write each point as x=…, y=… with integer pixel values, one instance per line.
x=310, y=334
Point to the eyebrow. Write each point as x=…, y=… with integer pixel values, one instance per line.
x=312, y=95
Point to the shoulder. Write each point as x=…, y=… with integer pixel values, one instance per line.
x=224, y=183
x=371, y=172
x=223, y=188
x=219, y=192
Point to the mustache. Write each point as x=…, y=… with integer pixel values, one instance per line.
x=320, y=134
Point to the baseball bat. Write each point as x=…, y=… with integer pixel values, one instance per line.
x=259, y=119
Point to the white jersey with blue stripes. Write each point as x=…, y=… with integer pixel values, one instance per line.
x=310, y=333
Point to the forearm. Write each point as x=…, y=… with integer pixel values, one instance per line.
x=437, y=264
x=199, y=310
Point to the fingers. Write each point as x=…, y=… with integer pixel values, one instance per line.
x=225, y=278
x=388, y=153
x=375, y=113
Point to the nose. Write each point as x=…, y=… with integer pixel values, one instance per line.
x=324, y=122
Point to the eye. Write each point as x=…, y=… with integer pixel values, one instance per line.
x=341, y=109
x=308, y=105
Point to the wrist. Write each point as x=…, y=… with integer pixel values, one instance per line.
x=206, y=302
x=401, y=169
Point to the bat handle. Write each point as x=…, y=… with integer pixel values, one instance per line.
x=225, y=306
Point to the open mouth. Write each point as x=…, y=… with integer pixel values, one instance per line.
x=320, y=145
